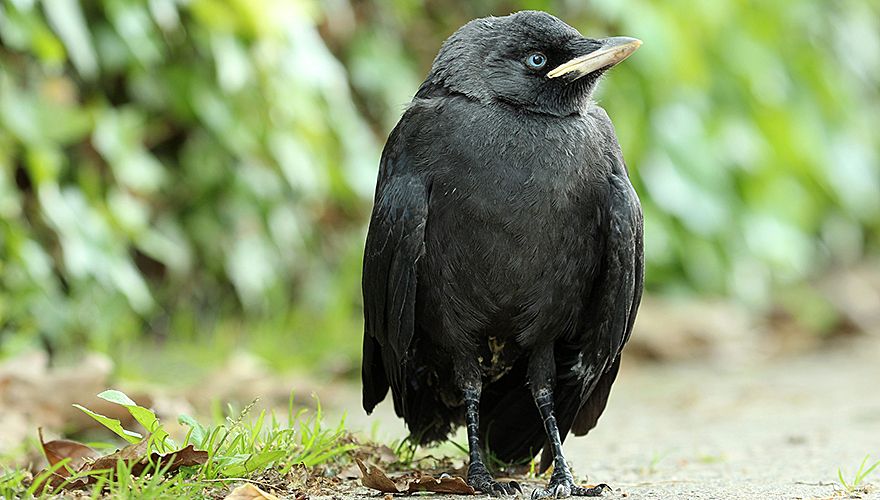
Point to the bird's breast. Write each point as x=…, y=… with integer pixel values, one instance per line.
x=510, y=255
x=511, y=237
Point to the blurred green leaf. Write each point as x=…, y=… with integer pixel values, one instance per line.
x=112, y=424
x=173, y=167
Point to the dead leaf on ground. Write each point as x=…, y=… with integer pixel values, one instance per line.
x=248, y=491
x=375, y=478
x=136, y=456
x=446, y=484
x=59, y=449
x=186, y=457
x=131, y=453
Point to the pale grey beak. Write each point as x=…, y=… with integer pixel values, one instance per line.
x=612, y=51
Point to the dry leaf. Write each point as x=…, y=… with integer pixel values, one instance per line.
x=59, y=449
x=375, y=478
x=446, y=484
x=131, y=453
x=56, y=479
x=248, y=491
x=137, y=454
x=186, y=457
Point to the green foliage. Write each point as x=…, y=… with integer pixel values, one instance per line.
x=181, y=168
x=239, y=447
x=12, y=482
x=113, y=424
x=162, y=160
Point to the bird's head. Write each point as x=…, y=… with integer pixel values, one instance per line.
x=530, y=60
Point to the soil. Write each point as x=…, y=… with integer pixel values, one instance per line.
x=758, y=427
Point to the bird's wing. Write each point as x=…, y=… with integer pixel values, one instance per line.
x=395, y=243
x=587, y=364
x=618, y=293
x=624, y=265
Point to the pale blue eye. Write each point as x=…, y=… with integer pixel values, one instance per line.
x=536, y=60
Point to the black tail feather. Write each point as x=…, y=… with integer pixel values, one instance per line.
x=511, y=428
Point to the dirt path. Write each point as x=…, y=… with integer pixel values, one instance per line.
x=768, y=430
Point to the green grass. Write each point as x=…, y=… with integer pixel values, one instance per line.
x=240, y=446
x=861, y=474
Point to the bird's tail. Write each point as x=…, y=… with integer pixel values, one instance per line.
x=511, y=427
x=511, y=430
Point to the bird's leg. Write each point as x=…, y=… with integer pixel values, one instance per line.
x=478, y=474
x=542, y=375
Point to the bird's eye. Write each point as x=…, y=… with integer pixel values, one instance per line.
x=536, y=60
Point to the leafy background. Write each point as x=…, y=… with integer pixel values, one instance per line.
x=197, y=174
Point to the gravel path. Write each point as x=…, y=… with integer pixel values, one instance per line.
x=775, y=429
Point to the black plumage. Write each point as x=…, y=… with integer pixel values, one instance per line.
x=503, y=263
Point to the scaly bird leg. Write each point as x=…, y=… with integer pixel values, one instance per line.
x=542, y=374
x=478, y=475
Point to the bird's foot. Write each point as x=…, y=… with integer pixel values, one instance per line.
x=562, y=486
x=480, y=479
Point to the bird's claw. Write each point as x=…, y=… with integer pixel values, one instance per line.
x=517, y=487
x=496, y=489
x=483, y=481
x=565, y=487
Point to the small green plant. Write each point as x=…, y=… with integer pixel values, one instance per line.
x=236, y=446
x=860, y=476
x=11, y=482
x=405, y=450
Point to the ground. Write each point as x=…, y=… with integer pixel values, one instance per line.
x=778, y=428
x=745, y=414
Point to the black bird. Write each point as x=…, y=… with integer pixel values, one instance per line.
x=503, y=264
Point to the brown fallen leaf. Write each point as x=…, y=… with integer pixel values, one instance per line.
x=248, y=491
x=375, y=478
x=136, y=456
x=186, y=457
x=131, y=453
x=445, y=484
x=59, y=449
x=55, y=480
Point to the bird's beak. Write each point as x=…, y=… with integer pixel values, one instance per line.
x=610, y=52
